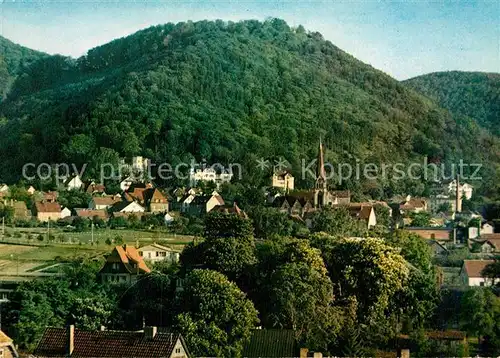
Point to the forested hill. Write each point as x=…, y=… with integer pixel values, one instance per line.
x=14, y=59
x=224, y=92
x=475, y=94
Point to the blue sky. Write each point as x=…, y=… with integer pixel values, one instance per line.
x=401, y=38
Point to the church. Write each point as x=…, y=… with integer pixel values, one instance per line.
x=300, y=203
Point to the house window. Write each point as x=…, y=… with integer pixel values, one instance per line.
x=177, y=350
x=481, y=283
x=116, y=266
x=1, y=353
x=141, y=253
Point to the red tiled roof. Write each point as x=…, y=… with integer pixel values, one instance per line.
x=490, y=236
x=107, y=344
x=89, y=213
x=138, y=193
x=360, y=210
x=96, y=188
x=473, y=268
x=155, y=196
x=413, y=203
x=128, y=255
x=47, y=207
x=106, y=200
x=138, y=215
x=231, y=209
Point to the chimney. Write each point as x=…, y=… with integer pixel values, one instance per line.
x=150, y=332
x=303, y=352
x=71, y=340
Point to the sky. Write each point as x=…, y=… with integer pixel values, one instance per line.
x=402, y=38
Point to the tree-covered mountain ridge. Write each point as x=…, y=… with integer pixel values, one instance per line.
x=225, y=92
x=14, y=59
x=475, y=94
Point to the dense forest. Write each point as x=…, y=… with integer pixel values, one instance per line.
x=474, y=94
x=226, y=92
x=14, y=60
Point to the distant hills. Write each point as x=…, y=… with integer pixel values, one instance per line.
x=474, y=94
x=226, y=92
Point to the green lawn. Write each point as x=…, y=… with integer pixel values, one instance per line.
x=18, y=255
x=100, y=235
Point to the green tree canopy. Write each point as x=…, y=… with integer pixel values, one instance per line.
x=216, y=318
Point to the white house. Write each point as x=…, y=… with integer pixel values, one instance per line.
x=103, y=202
x=209, y=174
x=156, y=253
x=464, y=188
x=73, y=183
x=487, y=229
x=126, y=183
x=470, y=273
x=169, y=219
x=65, y=212
x=186, y=202
x=128, y=207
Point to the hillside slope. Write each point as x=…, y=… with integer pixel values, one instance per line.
x=474, y=94
x=225, y=92
x=14, y=59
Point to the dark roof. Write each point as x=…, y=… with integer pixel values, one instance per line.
x=106, y=344
x=271, y=343
x=203, y=199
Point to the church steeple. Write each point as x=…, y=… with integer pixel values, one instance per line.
x=320, y=191
x=320, y=170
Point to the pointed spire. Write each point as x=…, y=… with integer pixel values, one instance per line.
x=320, y=170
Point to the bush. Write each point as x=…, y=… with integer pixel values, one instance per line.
x=39, y=237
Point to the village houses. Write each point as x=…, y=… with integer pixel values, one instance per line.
x=74, y=342
x=104, y=202
x=123, y=265
x=283, y=180
x=47, y=211
x=73, y=183
x=156, y=252
x=7, y=348
x=209, y=174
x=470, y=273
